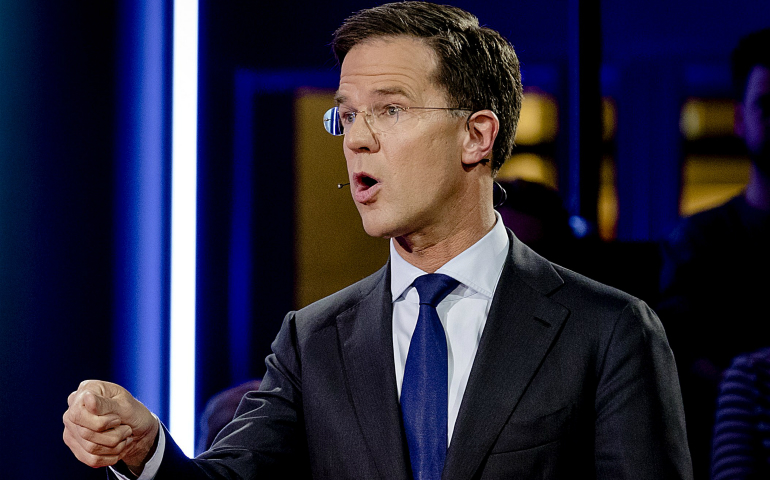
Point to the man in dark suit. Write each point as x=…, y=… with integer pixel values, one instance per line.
x=467, y=355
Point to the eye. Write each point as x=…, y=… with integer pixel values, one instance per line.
x=348, y=118
x=392, y=110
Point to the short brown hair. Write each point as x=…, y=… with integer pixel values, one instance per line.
x=477, y=67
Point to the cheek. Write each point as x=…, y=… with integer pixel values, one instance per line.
x=349, y=160
x=414, y=172
x=420, y=164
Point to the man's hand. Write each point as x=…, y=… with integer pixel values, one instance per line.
x=105, y=424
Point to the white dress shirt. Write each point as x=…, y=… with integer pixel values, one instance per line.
x=463, y=313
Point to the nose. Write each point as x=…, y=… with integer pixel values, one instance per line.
x=360, y=136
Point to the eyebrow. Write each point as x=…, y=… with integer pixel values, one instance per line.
x=380, y=92
x=391, y=91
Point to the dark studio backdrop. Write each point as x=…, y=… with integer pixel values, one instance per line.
x=84, y=175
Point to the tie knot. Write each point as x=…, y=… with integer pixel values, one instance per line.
x=433, y=287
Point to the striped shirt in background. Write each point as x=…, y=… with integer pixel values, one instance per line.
x=741, y=444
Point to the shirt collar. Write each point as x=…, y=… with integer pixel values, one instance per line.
x=478, y=267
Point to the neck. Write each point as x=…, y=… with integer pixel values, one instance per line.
x=428, y=251
x=758, y=189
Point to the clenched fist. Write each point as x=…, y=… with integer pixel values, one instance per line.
x=105, y=424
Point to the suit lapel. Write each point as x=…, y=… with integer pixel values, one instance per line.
x=365, y=333
x=521, y=326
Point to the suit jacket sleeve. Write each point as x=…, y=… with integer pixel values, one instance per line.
x=640, y=431
x=266, y=438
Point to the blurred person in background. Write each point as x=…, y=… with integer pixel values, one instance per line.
x=536, y=214
x=714, y=275
x=741, y=442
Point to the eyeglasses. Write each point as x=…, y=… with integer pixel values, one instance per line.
x=382, y=119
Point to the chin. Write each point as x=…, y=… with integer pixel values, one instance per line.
x=376, y=226
x=374, y=229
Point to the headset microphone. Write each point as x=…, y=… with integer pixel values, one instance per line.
x=340, y=185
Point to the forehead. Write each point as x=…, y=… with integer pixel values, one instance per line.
x=389, y=67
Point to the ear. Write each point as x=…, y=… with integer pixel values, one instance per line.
x=739, y=126
x=482, y=128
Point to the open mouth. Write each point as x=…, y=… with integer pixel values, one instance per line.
x=366, y=187
x=367, y=181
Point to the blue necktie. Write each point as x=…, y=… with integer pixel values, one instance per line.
x=424, y=390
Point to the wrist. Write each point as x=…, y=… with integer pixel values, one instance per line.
x=142, y=449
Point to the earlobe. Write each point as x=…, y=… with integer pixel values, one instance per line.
x=482, y=128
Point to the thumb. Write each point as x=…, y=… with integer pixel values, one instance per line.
x=99, y=405
x=111, y=400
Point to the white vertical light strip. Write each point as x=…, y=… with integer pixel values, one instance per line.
x=184, y=165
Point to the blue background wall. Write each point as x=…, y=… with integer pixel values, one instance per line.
x=74, y=183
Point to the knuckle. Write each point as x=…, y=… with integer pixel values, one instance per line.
x=91, y=448
x=84, y=456
x=97, y=423
x=104, y=423
x=70, y=426
x=86, y=434
x=110, y=441
x=87, y=454
x=119, y=445
x=92, y=460
x=73, y=415
x=96, y=449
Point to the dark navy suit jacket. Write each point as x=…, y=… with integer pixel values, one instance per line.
x=572, y=379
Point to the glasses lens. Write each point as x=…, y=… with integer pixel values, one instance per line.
x=388, y=118
x=332, y=121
